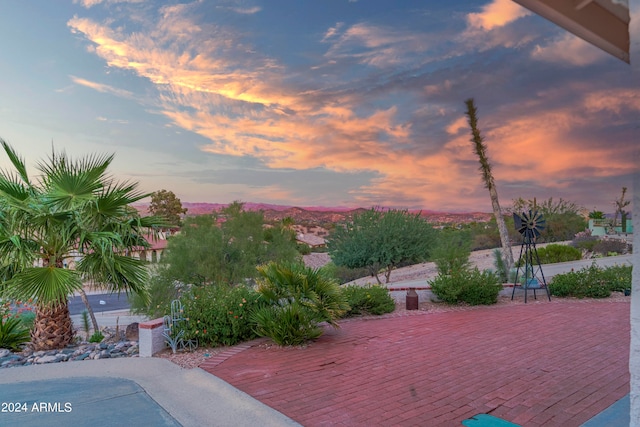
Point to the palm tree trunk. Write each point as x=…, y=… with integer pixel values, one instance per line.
x=52, y=328
x=485, y=168
x=85, y=300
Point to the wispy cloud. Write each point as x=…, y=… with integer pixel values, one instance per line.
x=247, y=10
x=374, y=45
x=90, y=3
x=101, y=87
x=568, y=49
x=118, y=121
x=331, y=32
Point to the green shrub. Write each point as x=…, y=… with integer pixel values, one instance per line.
x=472, y=287
x=609, y=247
x=617, y=277
x=219, y=315
x=553, y=253
x=289, y=324
x=96, y=337
x=368, y=300
x=344, y=274
x=13, y=334
x=162, y=290
x=500, y=266
x=452, y=252
x=584, y=241
x=585, y=283
x=297, y=299
x=303, y=248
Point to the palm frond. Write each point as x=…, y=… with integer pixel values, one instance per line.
x=116, y=273
x=16, y=161
x=116, y=197
x=47, y=285
x=70, y=183
x=13, y=191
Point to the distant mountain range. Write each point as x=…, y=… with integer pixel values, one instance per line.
x=321, y=214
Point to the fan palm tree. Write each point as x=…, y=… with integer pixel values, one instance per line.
x=74, y=211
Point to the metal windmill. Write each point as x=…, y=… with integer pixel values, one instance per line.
x=529, y=225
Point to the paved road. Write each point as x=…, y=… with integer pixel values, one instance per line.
x=100, y=303
x=549, y=270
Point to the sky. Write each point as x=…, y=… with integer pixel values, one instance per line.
x=352, y=103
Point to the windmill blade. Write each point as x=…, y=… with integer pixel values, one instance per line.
x=541, y=225
x=538, y=222
x=519, y=223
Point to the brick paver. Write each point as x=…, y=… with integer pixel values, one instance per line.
x=553, y=363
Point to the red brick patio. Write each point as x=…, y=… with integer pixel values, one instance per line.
x=553, y=363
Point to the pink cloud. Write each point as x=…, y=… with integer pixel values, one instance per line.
x=498, y=13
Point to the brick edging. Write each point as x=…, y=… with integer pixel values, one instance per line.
x=214, y=361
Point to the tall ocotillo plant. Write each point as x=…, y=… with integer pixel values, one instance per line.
x=485, y=169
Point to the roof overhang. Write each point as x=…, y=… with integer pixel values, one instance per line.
x=603, y=23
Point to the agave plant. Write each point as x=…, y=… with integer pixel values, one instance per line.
x=74, y=212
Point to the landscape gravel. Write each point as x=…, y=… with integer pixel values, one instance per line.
x=69, y=354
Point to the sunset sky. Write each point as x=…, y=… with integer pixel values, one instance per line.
x=354, y=103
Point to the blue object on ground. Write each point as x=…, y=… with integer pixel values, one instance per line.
x=615, y=415
x=486, y=420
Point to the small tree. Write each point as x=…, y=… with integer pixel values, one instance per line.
x=381, y=240
x=453, y=251
x=226, y=248
x=165, y=204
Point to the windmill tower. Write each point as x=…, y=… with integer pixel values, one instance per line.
x=529, y=271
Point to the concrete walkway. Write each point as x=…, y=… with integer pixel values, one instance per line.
x=557, y=363
x=127, y=392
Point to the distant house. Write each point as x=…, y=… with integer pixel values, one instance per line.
x=157, y=246
x=311, y=240
x=603, y=227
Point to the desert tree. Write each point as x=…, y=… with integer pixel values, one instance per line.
x=225, y=248
x=165, y=204
x=381, y=241
x=480, y=148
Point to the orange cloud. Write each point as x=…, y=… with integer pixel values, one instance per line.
x=241, y=102
x=498, y=13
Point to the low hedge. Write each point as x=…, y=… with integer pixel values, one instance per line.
x=368, y=300
x=473, y=287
